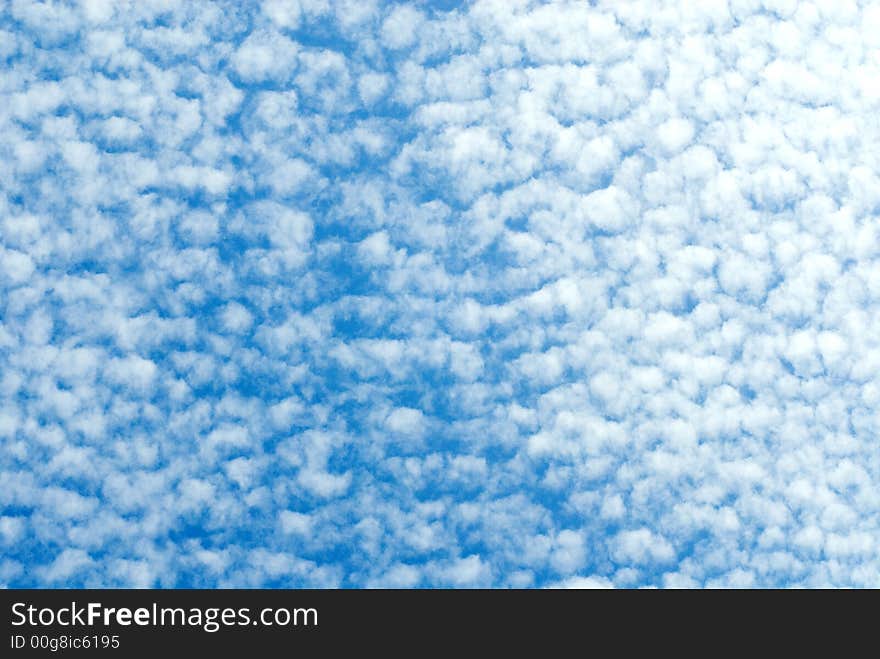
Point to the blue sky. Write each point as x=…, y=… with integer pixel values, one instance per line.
x=322, y=293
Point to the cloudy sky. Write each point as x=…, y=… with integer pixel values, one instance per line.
x=321, y=293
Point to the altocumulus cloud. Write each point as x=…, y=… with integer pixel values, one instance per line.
x=492, y=293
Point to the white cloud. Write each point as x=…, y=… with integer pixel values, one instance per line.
x=468, y=572
x=265, y=56
x=283, y=13
x=400, y=27
x=236, y=318
x=642, y=547
x=511, y=294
